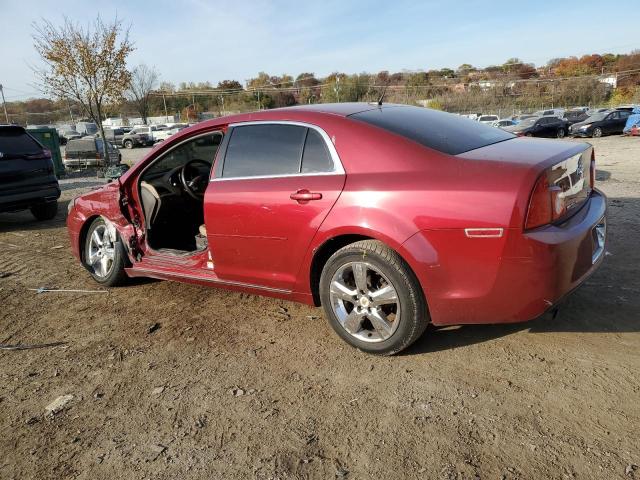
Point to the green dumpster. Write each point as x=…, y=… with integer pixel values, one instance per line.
x=50, y=139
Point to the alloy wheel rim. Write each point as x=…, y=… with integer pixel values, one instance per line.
x=101, y=252
x=365, y=302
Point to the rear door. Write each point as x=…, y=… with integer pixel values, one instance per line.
x=611, y=122
x=624, y=116
x=546, y=127
x=274, y=185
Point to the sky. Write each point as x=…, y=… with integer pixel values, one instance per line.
x=199, y=40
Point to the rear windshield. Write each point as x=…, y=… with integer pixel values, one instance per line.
x=440, y=131
x=15, y=141
x=81, y=145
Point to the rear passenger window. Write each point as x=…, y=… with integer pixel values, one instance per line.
x=14, y=141
x=316, y=156
x=258, y=150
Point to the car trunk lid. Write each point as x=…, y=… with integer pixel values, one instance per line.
x=566, y=164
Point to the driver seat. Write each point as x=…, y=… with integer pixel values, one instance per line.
x=151, y=203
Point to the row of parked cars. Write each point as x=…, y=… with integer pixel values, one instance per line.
x=558, y=123
x=142, y=135
x=90, y=150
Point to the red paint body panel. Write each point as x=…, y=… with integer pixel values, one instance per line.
x=257, y=234
x=416, y=200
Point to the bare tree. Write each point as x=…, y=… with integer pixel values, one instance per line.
x=144, y=80
x=88, y=65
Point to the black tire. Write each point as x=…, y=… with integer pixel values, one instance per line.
x=560, y=133
x=116, y=275
x=45, y=211
x=414, y=317
x=127, y=144
x=597, y=132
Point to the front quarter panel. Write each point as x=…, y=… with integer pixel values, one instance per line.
x=105, y=202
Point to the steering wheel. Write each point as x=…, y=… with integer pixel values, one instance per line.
x=194, y=178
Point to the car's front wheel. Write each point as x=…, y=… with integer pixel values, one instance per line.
x=103, y=254
x=560, y=133
x=45, y=211
x=597, y=132
x=128, y=144
x=372, y=298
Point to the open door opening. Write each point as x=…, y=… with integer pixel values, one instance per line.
x=171, y=192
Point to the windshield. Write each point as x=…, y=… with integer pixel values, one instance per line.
x=597, y=116
x=527, y=122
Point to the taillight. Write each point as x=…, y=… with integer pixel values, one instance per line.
x=547, y=203
x=592, y=169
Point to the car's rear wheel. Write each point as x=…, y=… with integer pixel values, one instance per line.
x=128, y=144
x=45, y=211
x=560, y=133
x=372, y=299
x=103, y=255
x=597, y=132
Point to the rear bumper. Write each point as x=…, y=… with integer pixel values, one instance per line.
x=515, y=278
x=21, y=200
x=83, y=162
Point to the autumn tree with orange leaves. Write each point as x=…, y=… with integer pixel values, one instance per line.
x=88, y=65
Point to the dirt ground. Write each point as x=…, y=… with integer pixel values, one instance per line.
x=230, y=385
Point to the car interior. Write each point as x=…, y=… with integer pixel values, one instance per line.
x=172, y=194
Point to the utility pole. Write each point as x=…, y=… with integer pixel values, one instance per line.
x=4, y=105
x=166, y=115
x=70, y=112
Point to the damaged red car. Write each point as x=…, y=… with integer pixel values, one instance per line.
x=391, y=217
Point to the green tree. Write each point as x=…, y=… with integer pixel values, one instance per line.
x=88, y=65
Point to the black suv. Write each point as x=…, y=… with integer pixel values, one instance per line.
x=27, y=179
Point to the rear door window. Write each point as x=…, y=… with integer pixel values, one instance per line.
x=316, y=157
x=15, y=141
x=264, y=150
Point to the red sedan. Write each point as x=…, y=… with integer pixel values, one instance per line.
x=390, y=217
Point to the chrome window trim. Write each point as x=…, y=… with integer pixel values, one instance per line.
x=338, y=168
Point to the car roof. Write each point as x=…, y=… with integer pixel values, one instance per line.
x=342, y=109
x=295, y=113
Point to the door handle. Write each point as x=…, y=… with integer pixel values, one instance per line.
x=304, y=195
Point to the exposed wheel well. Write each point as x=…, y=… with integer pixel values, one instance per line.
x=321, y=256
